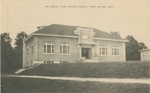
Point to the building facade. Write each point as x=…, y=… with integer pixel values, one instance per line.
x=145, y=54
x=70, y=44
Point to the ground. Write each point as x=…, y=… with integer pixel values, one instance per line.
x=134, y=70
x=26, y=85
x=95, y=70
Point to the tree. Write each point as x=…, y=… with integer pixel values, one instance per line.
x=142, y=45
x=116, y=34
x=133, y=47
x=19, y=49
x=7, y=56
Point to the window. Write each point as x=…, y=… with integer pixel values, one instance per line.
x=27, y=64
x=32, y=49
x=49, y=48
x=64, y=61
x=27, y=50
x=115, y=50
x=103, y=49
x=64, y=48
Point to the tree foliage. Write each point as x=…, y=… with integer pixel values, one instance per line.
x=142, y=45
x=133, y=47
x=116, y=34
x=7, y=55
x=18, y=50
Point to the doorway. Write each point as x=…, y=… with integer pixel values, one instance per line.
x=86, y=53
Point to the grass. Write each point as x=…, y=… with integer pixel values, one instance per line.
x=97, y=70
x=26, y=85
x=9, y=71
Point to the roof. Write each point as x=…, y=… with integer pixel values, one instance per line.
x=144, y=50
x=57, y=29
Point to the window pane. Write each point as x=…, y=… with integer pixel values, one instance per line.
x=64, y=49
x=100, y=51
x=68, y=49
x=44, y=48
x=118, y=52
x=115, y=52
x=48, y=48
x=32, y=49
x=103, y=51
x=52, y=48
x=60, y=49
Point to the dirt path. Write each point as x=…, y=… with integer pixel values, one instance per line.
x=109, y=80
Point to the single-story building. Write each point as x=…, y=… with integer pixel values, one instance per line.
x=145, y=54
x=62, y=43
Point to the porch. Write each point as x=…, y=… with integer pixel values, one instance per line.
x=87, y=52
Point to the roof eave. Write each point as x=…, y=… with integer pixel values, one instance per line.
x=144, y=50
x=28, y=37
x=105, y=39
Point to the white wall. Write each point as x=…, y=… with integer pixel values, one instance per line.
x=109, y=57
x=145, y=55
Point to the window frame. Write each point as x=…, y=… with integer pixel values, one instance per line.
x=115, y=51
x=64, y=46
x=103, y=50
x=51, y=49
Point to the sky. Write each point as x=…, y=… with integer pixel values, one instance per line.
x=128, y=17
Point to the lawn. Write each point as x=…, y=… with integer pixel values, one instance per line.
x=96, y=70
x=8, y=71
x=26, y=85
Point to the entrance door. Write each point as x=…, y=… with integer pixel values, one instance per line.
x=85, y=53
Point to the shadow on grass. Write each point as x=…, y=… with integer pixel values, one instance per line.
x=24, y=85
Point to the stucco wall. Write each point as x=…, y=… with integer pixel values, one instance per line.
x=39, y=49
x=75, y=50
x=145, y=55
x=109, y=56
x=28, y=59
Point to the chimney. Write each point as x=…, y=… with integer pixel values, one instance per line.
x=40, y=27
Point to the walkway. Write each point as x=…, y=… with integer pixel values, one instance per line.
x=21, y=70
x=109, y=80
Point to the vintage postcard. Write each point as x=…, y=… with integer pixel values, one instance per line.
x=75, y=46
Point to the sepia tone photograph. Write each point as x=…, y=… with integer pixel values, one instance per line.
x=75, y=46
